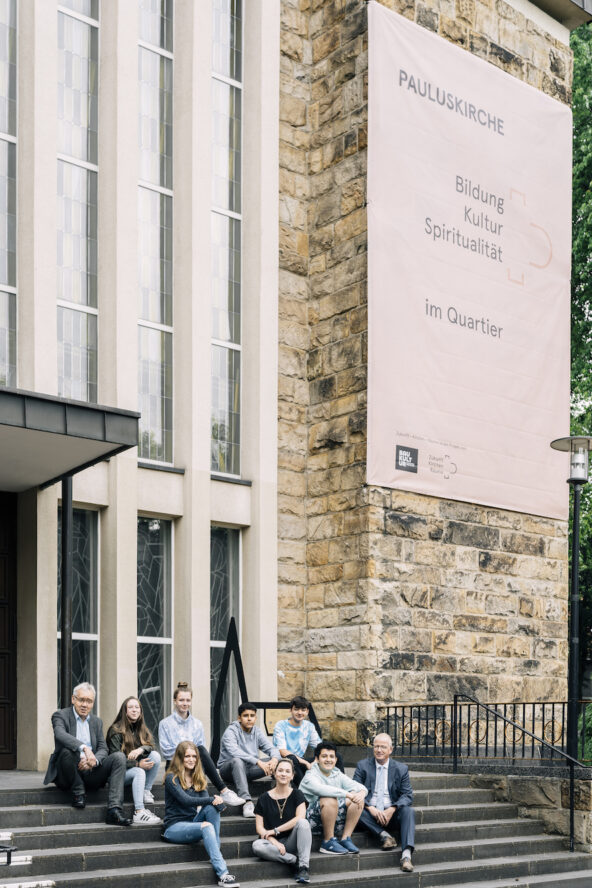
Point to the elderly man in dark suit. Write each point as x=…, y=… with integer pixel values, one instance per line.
x=81, y=760
x=390, y=799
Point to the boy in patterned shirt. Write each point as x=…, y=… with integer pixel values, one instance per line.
x=293, y=736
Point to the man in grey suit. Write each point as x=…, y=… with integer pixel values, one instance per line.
x=81, y=760
x=389, y=802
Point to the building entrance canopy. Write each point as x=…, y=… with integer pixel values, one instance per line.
x=44, y=439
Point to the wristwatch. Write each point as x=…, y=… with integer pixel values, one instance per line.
x=277, y=831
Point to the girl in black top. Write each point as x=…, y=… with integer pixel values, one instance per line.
x=190, y=814
x=281, y=824
x=129, y=734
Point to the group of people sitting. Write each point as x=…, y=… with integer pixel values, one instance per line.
x=309, y=796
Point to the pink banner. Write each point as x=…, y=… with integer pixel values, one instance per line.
x=469, y=213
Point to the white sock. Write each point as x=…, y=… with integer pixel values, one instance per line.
x=406, y=854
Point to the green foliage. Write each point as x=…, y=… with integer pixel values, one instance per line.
x=581, y=299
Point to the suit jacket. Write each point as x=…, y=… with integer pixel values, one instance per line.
x=64, y=732
x=399, y=785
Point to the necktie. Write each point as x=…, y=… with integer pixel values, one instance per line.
x=380, y=775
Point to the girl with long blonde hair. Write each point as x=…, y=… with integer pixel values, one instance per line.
x=185, y=791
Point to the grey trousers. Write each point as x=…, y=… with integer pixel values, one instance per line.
x=297, y=846
x=239, y=772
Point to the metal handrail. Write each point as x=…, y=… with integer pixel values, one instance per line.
x=497, y=715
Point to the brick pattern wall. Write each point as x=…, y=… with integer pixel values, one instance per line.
x=383, y=595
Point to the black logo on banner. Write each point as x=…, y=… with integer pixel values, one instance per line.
x=407, y=458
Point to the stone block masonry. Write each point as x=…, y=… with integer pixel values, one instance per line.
x=385, y=595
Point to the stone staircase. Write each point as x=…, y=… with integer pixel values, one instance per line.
x=463, y=838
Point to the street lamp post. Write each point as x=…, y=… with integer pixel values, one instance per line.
x=578, y=448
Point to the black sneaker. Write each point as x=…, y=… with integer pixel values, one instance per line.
x=302, y=875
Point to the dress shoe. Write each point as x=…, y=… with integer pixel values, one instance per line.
x=115, y=817
x=78, y=801
x=406, y=865
x=388, y=842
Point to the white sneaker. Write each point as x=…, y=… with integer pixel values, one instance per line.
x=144, y=817
x=227, y=880
x=230, y=798
x=248, y=811
x=148, y=797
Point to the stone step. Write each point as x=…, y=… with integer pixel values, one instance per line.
x=75, y=834
x=101, y=857
x=21, y=816
x=54, y=813
x=43, y=795
x=336, y=873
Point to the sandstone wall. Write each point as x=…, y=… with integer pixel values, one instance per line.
x=384, y=595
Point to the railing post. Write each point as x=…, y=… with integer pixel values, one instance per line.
x=454, y=729
x=571, y=806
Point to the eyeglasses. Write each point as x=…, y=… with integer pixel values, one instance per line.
x=89, y=700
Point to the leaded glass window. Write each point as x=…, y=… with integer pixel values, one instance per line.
x=85, y=626
x=224, y=604
x=226, y=234
x=154, y=609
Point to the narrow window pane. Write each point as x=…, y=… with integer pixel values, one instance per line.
x=155, y=122
x=77, y=235
x=77, y=355
x=156, y=23
x=154, y=578
x=84, y=570
x=226, y=146
x=7, y=213
x=8, y=67
x=155, y=256
x=226, y=278
x=227, y=38
x=89, y=8
x=155, y=390
x=154, y=682
x=78, y=69
x=225, y=410
x=8, y=339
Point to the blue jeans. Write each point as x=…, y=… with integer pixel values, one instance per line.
x=141, y=779
x=189, y=832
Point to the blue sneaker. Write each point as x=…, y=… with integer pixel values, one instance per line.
x=349, y=846
x=332, y=846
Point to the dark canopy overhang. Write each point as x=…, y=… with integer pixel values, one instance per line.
x=44, y=439
x=571, y=13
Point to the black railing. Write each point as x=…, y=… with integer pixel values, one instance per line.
x=468, y=729
x=537, y=731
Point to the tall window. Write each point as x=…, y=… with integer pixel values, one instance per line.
x=226, y=235
x=8, y=193
x=85, y=628
x=155, y=229
x=78, y=61
x=154, y=618
x=224, y=604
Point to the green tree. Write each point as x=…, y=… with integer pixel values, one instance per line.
x=581, y=300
